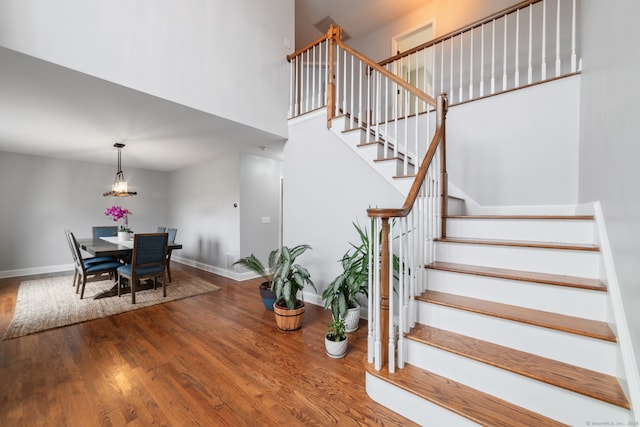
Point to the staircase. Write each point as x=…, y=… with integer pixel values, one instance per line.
x=512, y=329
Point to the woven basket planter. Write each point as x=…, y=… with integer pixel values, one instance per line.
x=289, y=320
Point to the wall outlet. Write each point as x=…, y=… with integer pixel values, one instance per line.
x=265, y=220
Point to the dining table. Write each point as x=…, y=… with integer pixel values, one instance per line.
x=111, y=246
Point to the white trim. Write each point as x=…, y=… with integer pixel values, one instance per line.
x=628, y=373
x=216, y=270
x=394, y=39
x=36, y=270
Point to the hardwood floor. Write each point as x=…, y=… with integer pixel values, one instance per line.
x=214, y=359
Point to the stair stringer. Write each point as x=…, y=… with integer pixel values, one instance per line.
x=619, y=361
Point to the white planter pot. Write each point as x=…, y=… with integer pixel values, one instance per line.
x=352, y=319
x=124, y=236
x=336, y=349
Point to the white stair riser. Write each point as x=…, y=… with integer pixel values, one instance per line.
x=589, y=353
x=550, y=401
x=553, y=261
x=353, y=138
x=418, y=410
x=576, y=302
x=564, y=231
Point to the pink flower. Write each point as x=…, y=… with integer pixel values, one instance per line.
x=117, y=213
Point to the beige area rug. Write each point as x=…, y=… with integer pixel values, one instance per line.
x=51, y=303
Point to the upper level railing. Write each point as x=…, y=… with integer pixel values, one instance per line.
x=328, y=73
x=530, y=42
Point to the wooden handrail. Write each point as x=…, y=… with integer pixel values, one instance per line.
x=438, y=137
x=408, y=87
x=476, y=24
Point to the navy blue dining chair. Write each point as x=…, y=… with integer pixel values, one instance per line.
x=161, y=230
x=98, y=231
x=91, y=269
x=148, y=259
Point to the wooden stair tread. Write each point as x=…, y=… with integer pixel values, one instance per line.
x=558, y=217
x=465, y=401
x=584, y=381
x=521, y=275
x=522, y=243
x=545, y=319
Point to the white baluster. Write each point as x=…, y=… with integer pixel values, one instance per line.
x=326, y=70
x=482, y=60
x=371, y=291
x=471, y=65
x=352, y=110
x=441, y=66
x=504, y=60
x=292, y=98
x=451, y=68
x=460, y=97
x=338, y=84
x=376, y=297
x=360, y=93
x=530, y=68
x=574, y=65
x=493, y=57
x=516, y=77
x=313, y=77
x=307, y=84
x=344, y=87
x=543, y=67
x=391, y=348
x=558, y=60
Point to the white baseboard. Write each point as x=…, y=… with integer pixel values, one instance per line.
x=630, y=377
x=36, y=270
x=234, y=275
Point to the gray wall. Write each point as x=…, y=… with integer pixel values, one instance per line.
x=327, y=186
x=259, y=200
x=609, y=149
x=41, y=197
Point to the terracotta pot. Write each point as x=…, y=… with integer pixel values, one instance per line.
x=336, y=349
x=268, y=296
x=289, y=320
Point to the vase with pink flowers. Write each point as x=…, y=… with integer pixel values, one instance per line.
x=118, y=213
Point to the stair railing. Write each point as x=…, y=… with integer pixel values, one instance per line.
x=530, y=42
x=328, y=73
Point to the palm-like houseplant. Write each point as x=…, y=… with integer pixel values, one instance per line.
x=288, y=279
x=341, y=294
x=252, y=263
x=284, y=278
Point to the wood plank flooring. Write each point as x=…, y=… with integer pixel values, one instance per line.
x=214, y=359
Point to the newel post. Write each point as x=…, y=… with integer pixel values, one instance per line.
x=441, y=117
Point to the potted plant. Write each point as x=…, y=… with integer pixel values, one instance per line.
x=336, y=340
x=288, y=279
x=341, y=294
x=117, y=213
x=254, y=264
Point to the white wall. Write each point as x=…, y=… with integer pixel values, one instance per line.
x=327, y=187
x=447, y=16
x=609, y=149
x=259, y=203
x=41, y=197
x=519, y=148
x=202, y=199
x=200, y=53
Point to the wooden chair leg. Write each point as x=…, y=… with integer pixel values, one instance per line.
x=84, y=282
x=132, y=285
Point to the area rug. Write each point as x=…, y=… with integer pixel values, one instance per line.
x=52, y=302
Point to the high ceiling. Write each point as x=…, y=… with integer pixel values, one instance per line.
x=356, y=17
x=56, y=112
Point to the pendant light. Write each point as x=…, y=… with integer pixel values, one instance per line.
x=119, y=188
